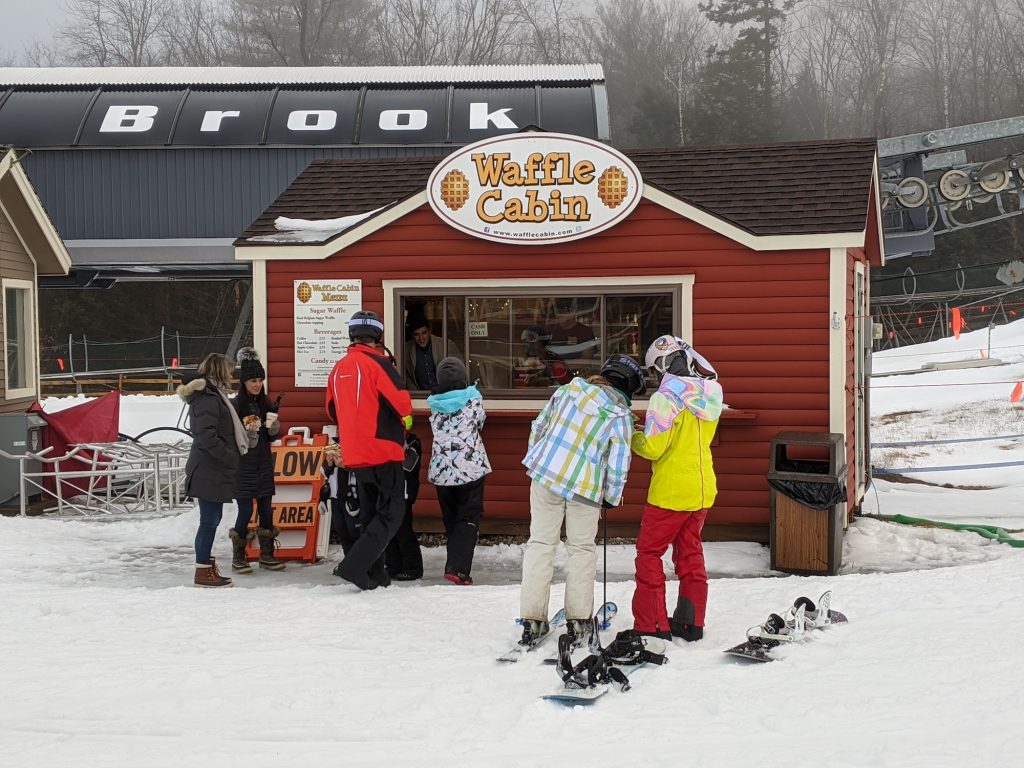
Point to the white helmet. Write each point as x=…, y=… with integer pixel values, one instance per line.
x=663, y=352
x=670, y=351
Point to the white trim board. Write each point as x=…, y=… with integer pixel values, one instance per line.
x=836, y=321
x=259, y=313
x=9, y=165
x=31, y=334
x=684, y=283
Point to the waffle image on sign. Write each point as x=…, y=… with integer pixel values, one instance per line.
x=304, y=292
x=612, y=186
x=454, y=189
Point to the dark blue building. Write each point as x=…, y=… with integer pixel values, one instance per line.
x=151, y=173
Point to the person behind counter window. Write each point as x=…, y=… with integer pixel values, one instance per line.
x=578, y=461
x=423, y=352
x=218, y=443
x=255, y=481
x=365, y=398
x=682, y=417
x=539, y=366
x=571, y=340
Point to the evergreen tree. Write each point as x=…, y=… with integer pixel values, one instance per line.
x=741, y=89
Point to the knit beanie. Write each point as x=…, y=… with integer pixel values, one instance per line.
x=249, y=366
x=451, y=375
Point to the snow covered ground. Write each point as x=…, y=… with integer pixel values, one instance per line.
x=113, y=660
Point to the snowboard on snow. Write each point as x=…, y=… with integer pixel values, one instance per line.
x=602, y=619
x=591, y=679
x=792, y=627
x=565, y=694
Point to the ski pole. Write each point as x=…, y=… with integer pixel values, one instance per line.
x=604, y=513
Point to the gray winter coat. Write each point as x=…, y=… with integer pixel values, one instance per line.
x=213, y=461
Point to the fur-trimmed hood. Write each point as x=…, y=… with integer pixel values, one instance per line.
x=187, y=390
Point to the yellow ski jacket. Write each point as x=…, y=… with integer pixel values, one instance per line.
x=682, y=417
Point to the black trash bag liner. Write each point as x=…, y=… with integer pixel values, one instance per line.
x=813, y=495
x=806, y=466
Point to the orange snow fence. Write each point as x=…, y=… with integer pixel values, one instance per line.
x=958, y=323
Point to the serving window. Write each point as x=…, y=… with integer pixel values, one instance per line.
x=526, y=340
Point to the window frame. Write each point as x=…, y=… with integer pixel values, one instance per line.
x=29, y=320
x=679, y=286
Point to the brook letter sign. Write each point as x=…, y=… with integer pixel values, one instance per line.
x=534, y=188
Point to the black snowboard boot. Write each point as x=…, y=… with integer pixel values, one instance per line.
x=579, y=631
x=533, y=631
x=682, y=620
x=268, y=538
x=239, y=560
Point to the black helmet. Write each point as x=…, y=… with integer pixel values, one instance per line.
x=365, y=324
x=625, y=374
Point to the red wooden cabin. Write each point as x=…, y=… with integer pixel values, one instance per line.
x=757, y=255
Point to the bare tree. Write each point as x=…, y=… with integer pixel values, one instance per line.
x=653, y=52
x=822, y=53
x=1007, y=22
x=935, y=57
x=557, y=30
x=985, y=77
x=487, y=32
x=113, y=33
x=414, y=32
x=875, y=34
x=297, y=32
x=194, y=34
x=411, y=32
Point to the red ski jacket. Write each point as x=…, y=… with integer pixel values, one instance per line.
x=367, y=401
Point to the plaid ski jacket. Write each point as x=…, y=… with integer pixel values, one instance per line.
x=579, y=443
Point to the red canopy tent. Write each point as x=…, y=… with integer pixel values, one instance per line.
x=95, y=421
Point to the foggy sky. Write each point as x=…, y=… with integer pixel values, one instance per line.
x=22, y=21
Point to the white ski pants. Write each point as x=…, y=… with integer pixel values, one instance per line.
x=547, y=511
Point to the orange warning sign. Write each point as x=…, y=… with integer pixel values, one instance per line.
x=298, y=480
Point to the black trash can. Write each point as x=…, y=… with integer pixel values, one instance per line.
x=807, y=475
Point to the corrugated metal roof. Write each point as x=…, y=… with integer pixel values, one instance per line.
x=85, y=76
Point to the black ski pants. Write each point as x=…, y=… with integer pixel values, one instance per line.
x=403, y=554
x=461, y=509
x=364, y=563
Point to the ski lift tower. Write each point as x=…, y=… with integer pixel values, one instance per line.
x=929, y=187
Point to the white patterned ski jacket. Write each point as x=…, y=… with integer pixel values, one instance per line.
x=457, y=456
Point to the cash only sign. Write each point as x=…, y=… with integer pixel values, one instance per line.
x=534, y=188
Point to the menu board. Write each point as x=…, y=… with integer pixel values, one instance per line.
x=322, y=311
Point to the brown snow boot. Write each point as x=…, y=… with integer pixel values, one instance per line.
x=207, y=576
x=239, y=560
x=268, y=537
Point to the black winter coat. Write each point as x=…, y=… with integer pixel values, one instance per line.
x=213, y=460
x=256, y=471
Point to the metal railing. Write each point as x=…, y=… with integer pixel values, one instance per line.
x=107, y=478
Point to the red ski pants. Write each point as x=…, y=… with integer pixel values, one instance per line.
x=660, y=528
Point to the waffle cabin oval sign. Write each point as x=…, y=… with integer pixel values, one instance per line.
x=534, y=188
